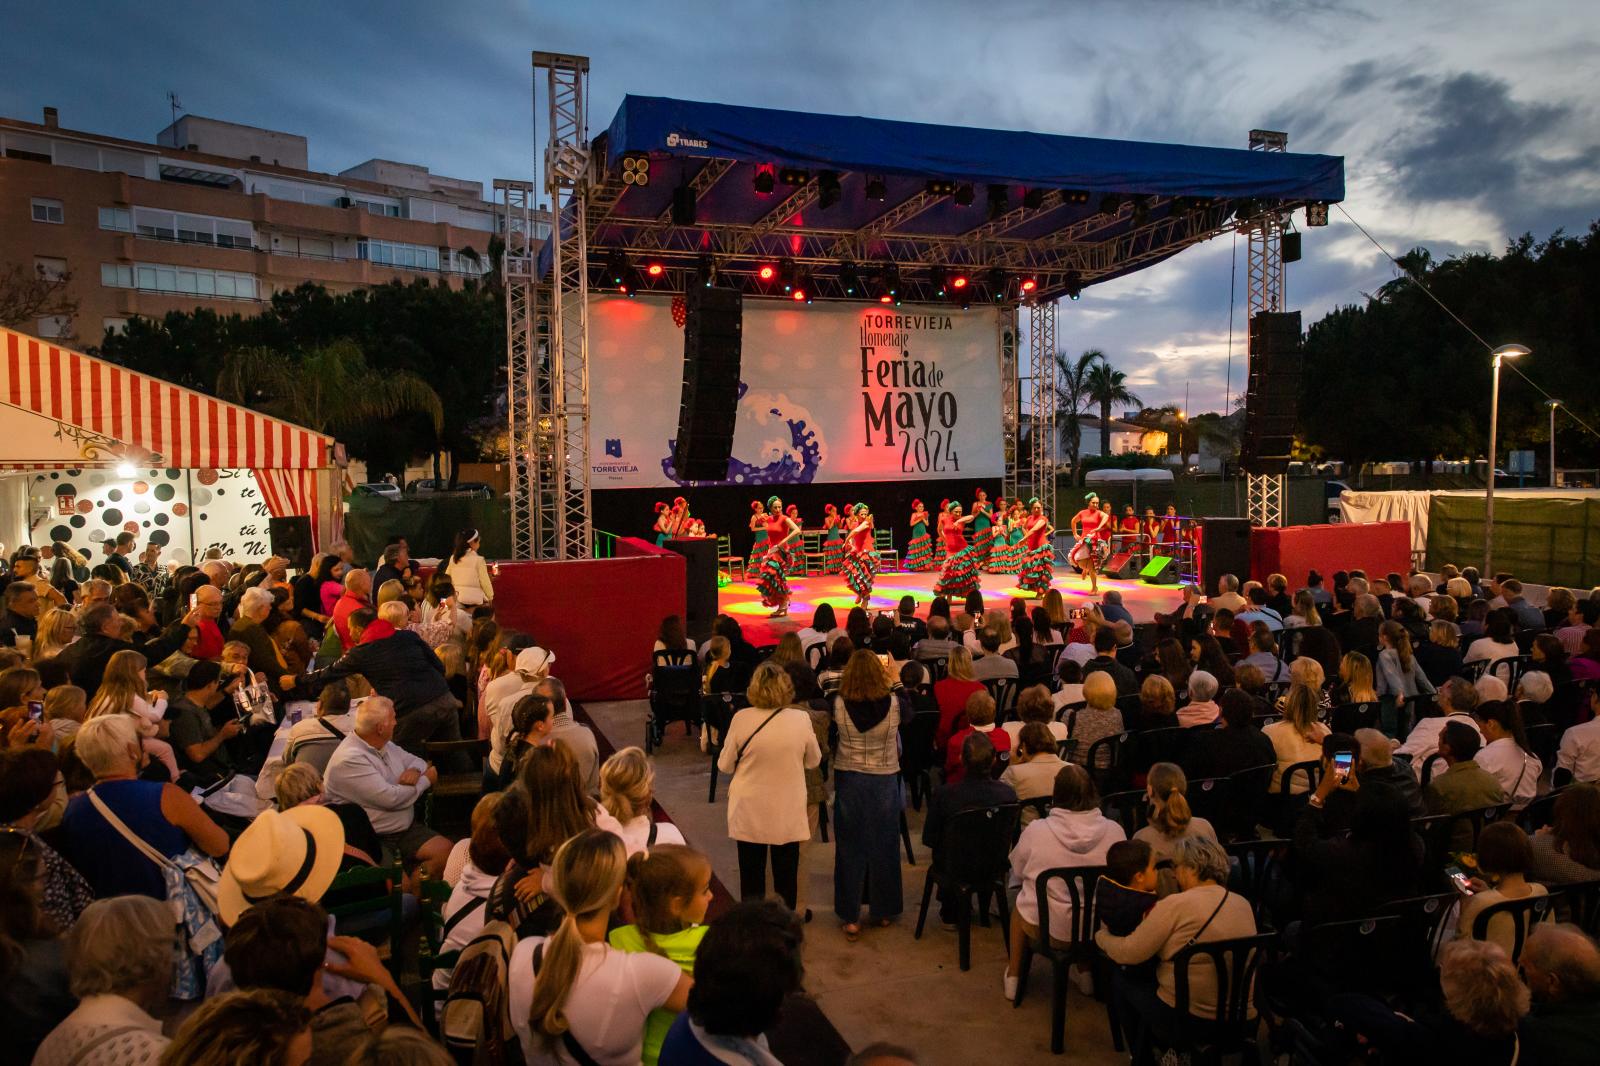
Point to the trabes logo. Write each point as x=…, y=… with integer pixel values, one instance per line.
x=676, y=140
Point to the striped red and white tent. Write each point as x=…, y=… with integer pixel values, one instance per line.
x=62, y=409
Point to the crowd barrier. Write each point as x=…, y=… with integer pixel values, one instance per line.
x=1378, y=548
x=599, y=616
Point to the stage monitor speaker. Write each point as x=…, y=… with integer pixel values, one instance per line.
x=1120, y=565
x=712, y=343
x=290, y=537
x=1224, y=549
x=1160, y=570
x=700, y=584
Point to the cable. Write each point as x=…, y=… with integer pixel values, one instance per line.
x=1513, y=368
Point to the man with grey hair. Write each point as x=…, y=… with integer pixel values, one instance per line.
x=387, y=782
x=1111, y=607
x=1561, y=967
x=1378, y=768
x=937, y=644
x=1227, y=594
x=255, y=606
x=578, y=738
x=357, y=594
x=1534, y=687
x=1201, y=708
x=1420, y=589
x=1454, y=702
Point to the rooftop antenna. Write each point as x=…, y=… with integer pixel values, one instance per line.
x=172, y=98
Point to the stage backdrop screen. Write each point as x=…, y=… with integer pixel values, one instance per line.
x=828, y=393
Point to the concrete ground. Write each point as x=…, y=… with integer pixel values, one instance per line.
x=886, y=986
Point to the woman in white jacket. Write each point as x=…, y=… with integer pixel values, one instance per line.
x=468, y=572
x=476, y=863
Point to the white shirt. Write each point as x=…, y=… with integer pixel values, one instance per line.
x=473, y=884
x=809, y=636
x=1580, y=751
x=470, y=577
x=1488, y=648
x=1078, y=653
x=1068, y=693
x=1014, y=730
x=635, y=832
x=80, y=1039
x=1424, y=739
x=500, y=698
x=360, y=773
x=606, y=1007
x=1516, y=770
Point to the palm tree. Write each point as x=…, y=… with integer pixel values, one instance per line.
x=1072, y=397
x=1106, y=385
x=330, y=389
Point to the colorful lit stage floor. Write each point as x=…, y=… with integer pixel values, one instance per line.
x=741, y=600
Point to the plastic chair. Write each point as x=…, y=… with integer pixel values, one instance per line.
x=1544, y=740
x=1363, y=955
x=726, y=560
x=1349, y=717
x=917, y=757
x=1255, y=871
x=1004, y=692
x=1249, y=790
x=1235, y=963
x=816, y=654
x=1039, y=805
x=1428, y=766
x=377, y=895
x=1290, y=803
x=1540, y=812
x=1425, y=919
x=717, y=712
x=1581, y=901
x=1515, y=667
x=674, y=696
x=1210, y=798
x=1523, y=913
x=1128, y=809
x=973, y=859
x=1104, y=760
x=883, y=544
x=1078, y=939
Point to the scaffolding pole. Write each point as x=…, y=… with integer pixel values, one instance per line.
x=1264, y=278
x=1042, y=401
x=1005, y=334
x=514, y=204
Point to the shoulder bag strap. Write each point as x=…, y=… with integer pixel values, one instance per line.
x=740, y=753
x=1208, y=921
x=100, y=1040
x=568, y=1041
x=129, y=835
x=650, y=841
x=455, y=919
x=331, y=728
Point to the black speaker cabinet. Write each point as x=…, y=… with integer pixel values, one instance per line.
x=712, y=346
x=1224, y=549
x=700, y=583
x=290, y=537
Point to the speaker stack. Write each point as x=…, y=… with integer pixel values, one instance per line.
x=1224, y=549
x=1272, y=397
x=290, y=537
x=712, y=341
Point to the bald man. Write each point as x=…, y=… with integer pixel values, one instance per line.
x=1561, y=967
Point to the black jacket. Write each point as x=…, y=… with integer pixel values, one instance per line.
x=12, y=624
x=87, y=658
x=1127, y=683
x=401, y=667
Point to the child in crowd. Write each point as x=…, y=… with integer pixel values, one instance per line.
x=1127, y=890
x=627, y=790
x=123, y=690
x=65, y=708
x=668, y=891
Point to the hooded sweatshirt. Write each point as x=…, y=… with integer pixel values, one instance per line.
x=474, y=885
x=1063, y=838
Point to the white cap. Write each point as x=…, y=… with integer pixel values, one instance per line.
x=534, y=661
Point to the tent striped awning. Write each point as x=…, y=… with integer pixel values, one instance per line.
x=150, y=420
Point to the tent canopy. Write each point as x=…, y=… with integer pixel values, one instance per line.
x=1069, y=210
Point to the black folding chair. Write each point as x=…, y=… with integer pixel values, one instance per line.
x=1235, y=963
x=1524, y=913
x=674, y=696
x=1580, y=902
x=1103, y=760
x=1349, y=717
x=816, y=654
x=973, y=859
x=1063, y=947
x=1425, y=919
x=1004, y=692
x=1211, y=798
x=1544, y=740
x=1128, y=809
x=1363, y=955
x=717, y=711
x=1515, y=666
x=917, y=757
x=1256, y=866
x=1249, y=789
x=1540, y=812
x=1291, y=803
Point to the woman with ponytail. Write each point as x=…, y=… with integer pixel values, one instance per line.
x=1170, y=817
x=669, y=889
x=467, y=571
x=572, y=996
x=1400, y=676
x=919, y=549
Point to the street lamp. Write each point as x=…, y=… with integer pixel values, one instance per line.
x=1552, y=404
x=1505, y=351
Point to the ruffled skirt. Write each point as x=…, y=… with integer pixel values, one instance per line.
x=919, y=553
x=860, y=571
x=959, y=575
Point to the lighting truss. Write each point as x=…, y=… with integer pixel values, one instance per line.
x=1005, y=328
x=1265, y=292
x=1042, y=400
x=514, y=202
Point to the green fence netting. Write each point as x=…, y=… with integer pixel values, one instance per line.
x=429, y=524
x=1547, y=541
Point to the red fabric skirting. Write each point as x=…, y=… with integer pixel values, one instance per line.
x=1376, y=547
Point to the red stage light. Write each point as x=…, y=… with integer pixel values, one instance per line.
x=767, y=272
x=959, y=281
x=654, y=269
x=798, y=295
x=1028, y=285
x=886, y=298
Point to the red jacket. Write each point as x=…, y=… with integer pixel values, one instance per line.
x=954, y=769
x=951, y=695
x=342, y=610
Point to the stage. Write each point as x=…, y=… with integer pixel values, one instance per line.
x=740, y=599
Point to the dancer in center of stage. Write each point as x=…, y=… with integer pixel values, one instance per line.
x=860, y=557
x=997, y=559
x=982, y=528
x=832, y=541
x=1038, y=554
x=1087, y=526
x=919, y=549
x=771, y=581
x=959, y=575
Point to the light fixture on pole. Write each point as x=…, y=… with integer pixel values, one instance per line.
x=1505, y=351
x=1552, y=404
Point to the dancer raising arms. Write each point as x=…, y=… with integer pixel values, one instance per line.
x=959, y=575
x=1037, y=552
x=919, y=549
x=1086, y=527
x=770, y=579
x=860, y=557
x=996, y=560
x=833, y=541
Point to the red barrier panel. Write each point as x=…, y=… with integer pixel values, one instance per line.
x=600, y=616
x=1376, y=547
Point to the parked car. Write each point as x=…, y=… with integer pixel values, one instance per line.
x=424, y=486
x=377, y=488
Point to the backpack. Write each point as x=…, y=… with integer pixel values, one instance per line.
x=476, y=1021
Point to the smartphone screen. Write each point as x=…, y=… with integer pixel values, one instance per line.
x=1459, y=878
x=36, y=710
x=193, y=599
x=1343, y=763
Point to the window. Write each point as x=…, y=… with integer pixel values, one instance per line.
x=48, y=268
x=116, y=275
x=374, y=208
x=115, y=325
x=391, y=253
x=119, y=219
x=47, y=211
x=193, y=229
x=190, y=281
x=54, y=326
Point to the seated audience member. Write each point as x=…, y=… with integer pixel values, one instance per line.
x=1158, y=704
x=1567, y=851
x=1258, y=610
x=33, y=960
x=1455, y=701
x=1203, y=910
x=163, y=815
x=1561, y=967
x=119, y=964
x=952, y=692
x=1207, y=655
x=979, y=719
x=668, y=890
x=1264, y=655
x=991, y=665
x=1579, y=754
x=31, y=798
x=1112, y=609
x=1297, y=736
x=1071, y=689
x=66, y=707
x=294, y=852
x=1170, y=818
x=475, y=863
x=1504, y=753
x=1227, y=597
x=201, y=745
x=1353, y=847
x=1377, y=767
x=1201, y=709
x=1099, y=718
x=370, y=770
x=1440, y=655
x=1463, y=785
x=1128, y=888
x=1074, y=833
x=747, y=966
x=1034, y=705
x=572, y=987
x=627, y=790
x=530, y=666
x=312, y=740
x=300, y=783
x=1504, y=857
x=1034, y=765
x=1105, y=659
x=1234, y=745
x=937, y=644
x=256, y=1026
x=977, y=788
x=578, y=738
x=1532, y=697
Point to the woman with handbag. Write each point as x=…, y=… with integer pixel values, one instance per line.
x=768, y=749
x=468, y=572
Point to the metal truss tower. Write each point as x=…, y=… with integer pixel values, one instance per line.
x=1042, y=401
x=1005, y=346
x=530, y=515
x=1265, y=283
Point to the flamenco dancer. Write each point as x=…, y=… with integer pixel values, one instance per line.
x=781, y=531
x=758, y=526
x=663, y=524
x=996, y=560
x=1087, y=526
x=671, y=521
x=919, y=549
x=797, y=559
x=832, y=541
x=860, y=558
x=982, y=528
x=959, y=575
x=1037, y=552
x=1017, y=523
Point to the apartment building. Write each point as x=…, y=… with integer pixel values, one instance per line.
x=220, y=215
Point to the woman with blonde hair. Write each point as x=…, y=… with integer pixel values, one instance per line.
x=572, y=989
x=1305, y=611
x=1400, y=676
x=766, y=752
x=123, y=690
x=951, y=693
x=1355, y=679
x=866, y=810
x=788, y=650
x=1166, y=789
x=1297, y=736
x=627, y=790
x=1099, y=718
x=57, y=630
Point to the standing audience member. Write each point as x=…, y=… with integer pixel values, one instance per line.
x=33, y=959
x=468, y=573
x=867, y=802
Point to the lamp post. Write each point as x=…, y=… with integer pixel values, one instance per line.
x=1552, y=404
x=1505, y=351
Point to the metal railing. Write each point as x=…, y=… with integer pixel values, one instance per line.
x=605, y=544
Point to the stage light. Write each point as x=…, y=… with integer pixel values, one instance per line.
x=616, y=268
x=959, y=281
x=764, y=181
x=849, y=278
x=827, y=188
x=997, y=285
x=655, y=268
x=794, y=176
x=635, y=169
x=1033, y=199
x=766, y=272
x=1074, y=196
x=1316, y=214
x=941, y=187
x=885, y=298
x=877, y=189
x=1141, y=210
x=999, y=200
x=1074, y=285
x=803, y=291
x=936, y=280
x=786, y=274
x=891, y=279
x=963, y=196
x=705, y=271
x=1027, y=286
x=1110, y=204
